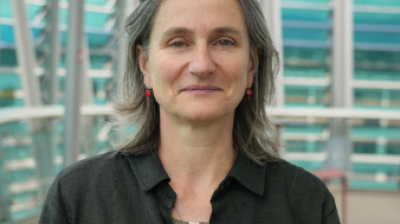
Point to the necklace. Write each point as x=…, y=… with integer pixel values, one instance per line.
x=180, y=221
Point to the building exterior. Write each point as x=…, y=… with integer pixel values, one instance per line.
x=336, y=54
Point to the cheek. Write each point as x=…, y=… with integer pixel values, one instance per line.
x=164, y=74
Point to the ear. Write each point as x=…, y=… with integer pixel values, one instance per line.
x=144, y=67
x=252, y=68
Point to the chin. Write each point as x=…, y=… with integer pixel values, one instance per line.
x=205, y=115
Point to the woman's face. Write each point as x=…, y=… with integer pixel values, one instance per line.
x=198, y=63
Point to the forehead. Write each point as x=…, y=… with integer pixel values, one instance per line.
x=198, y=15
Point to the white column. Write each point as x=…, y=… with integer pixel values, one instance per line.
x=32, y=95
x=273, y=16
x=54, y=58
x=25, y=54
x=343, y=53
x=339, y=145
x=74, y=79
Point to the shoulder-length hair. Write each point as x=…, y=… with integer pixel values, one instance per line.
x=253, y=133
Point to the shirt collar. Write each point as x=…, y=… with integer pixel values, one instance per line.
x=249, y=174
x=149, y=171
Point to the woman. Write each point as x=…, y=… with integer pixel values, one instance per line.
x=199, y=76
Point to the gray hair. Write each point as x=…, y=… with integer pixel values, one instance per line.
x=252, y=131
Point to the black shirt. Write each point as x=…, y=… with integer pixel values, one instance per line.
x=121, y=188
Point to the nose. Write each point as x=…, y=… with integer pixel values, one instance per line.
x=201, y=63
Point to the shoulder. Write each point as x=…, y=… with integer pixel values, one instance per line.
x=308, y=197
x=93, y=168
x=293, y=177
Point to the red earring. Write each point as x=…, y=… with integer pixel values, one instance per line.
x=249, y=93
x=148, y=93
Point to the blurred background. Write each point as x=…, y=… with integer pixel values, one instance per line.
x=337, y=107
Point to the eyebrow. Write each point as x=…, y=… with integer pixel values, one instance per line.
x=184, y=31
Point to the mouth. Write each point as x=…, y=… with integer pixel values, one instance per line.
x=200, y=89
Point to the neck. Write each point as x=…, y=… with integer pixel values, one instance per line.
x=193, y=154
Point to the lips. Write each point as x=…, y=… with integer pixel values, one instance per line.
x=200, y=89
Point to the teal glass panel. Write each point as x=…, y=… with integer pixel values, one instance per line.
x=306, y=56
x=92, y=19
x=98, y=62
x=367, y=94
x=94, y=40
x=21, y=215
x=33, y=10
x=394, y=95
x=374, y=132
x=97, y=40
x=303, y=146
x=8, y=37
x=307, y=1
x=390, y=185
x=11, y=103
x=301, y=95
x=8, y=58
x=393, y=149
x=10, y=82
x=7, y=34
x=309, y=165
x=99, y=101
x=24, y=197
x=293, y=91
x=18, y=176
x=305, y=104
x=5, y=9
x=308, y=72
x=377, y=57
x=302, y=129
x=96, y=19
x=376, y=168
x=308, y=91
x=306, y=34
x=377, y=75
x=376, y=2
x=376, y=37
x=15, y=129
x=96, y=2
x=361, y=147
x=99, y=84
x=18, y=152
x=91, y=2
x=306, y=15
x=376, y=18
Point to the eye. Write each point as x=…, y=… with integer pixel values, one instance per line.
x=178, y=44
x=225, y=42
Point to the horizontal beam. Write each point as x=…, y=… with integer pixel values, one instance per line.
x=376, y=84
x=375, y=159
x=106, y=8
x=94, y=73
x=377, y=9
x=317, y=157
x=305, y=81
x=306, y=6
x=24, y=113
x=334, y=113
